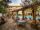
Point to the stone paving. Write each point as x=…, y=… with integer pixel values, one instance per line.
x=11, y=25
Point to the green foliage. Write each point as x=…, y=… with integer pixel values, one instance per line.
x=2, y=6
x=38, y=8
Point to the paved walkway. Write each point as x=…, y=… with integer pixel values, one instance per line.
x=10, y=25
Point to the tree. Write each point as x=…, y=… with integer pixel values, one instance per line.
x=27, y=2
x=33, y=4
x=3, y=5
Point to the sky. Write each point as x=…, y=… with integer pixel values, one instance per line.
x=16, y=1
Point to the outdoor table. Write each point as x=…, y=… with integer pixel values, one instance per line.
x=22, y=22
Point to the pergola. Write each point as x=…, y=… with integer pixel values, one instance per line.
x=33, y=6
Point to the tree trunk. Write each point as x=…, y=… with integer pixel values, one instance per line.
x=34, y=16
x=34, y=12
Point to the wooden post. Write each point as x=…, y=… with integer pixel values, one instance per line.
x=23, y=13
x=17, y=14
